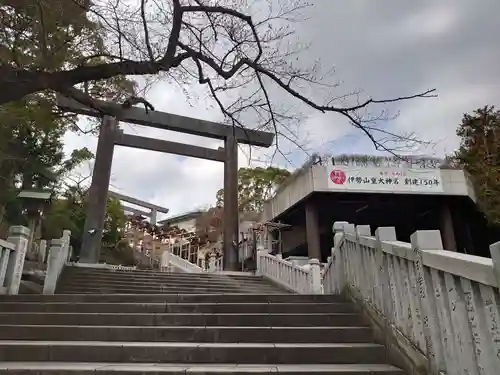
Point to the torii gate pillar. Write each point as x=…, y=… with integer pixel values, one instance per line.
x=98, y=192
x=231, y=211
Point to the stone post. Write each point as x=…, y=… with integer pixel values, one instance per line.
x=165, y=259
x=54, y=265
x=420, y=241
x=42, y=250
x=315, y=272
x=384, y=293
x=19, y=236
x=211, y=263
x=495, y=256
x=260, y=253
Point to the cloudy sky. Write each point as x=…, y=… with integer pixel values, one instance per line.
x=387, y=48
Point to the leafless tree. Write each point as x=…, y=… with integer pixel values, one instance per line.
x=244, y=51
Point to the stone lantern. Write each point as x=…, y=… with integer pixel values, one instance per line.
x=34, y=202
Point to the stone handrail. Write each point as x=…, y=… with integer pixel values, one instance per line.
x=6, y=251
x=169, y=258
x=444, y=304
x=288, y=275
x=12, y=256
x=59, y=254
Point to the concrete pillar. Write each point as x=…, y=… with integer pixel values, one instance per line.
x=98, y=193
x=446, y=226
x=154, y=213
x=231, y=214
x=312, y=231
x=19, y=236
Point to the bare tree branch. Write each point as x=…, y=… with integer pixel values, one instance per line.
x=244, y=59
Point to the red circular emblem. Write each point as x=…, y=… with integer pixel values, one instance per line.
x=338, y=177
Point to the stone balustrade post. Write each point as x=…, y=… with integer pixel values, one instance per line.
x=54, y=265
x=364, y=284
x=420, y=241
x=495, y=256
x=338, y=230
x=260, y=253
x=42, y=250
x=315, y=273
x=165, y=259
x=211, y=263
x=19, y=236
x=383, y=296
x=338, y=261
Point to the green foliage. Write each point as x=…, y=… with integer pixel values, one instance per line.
x=255, y=187
x=479, y=155
x=44, y=36
x=68, y=212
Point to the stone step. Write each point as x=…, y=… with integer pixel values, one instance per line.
x=151, y=273
x=150, y=298
x=212, y=334
x=190, y=352
x=118, y=289
x=165, y=276
x=202, y=307
x=159, y=284
x=183, y=319
x=148, y=281
x=122, y=280
x=53, y=368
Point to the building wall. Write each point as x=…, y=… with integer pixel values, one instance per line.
x=315, y=179
x=189, y=224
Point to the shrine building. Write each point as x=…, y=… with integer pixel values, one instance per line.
x=414, y=194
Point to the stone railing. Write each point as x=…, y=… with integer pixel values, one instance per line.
x=59, y=256
x=441, y=305
x=12, y=255
x=215, y=264
x=289, y=275
x=169, y=259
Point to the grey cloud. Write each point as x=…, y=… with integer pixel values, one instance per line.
x=387, y=47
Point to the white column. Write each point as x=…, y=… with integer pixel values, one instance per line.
x=19, y=237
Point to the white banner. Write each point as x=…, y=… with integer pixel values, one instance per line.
x=347, y=178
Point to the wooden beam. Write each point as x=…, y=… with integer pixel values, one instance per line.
x=159, y=145
x=169, y=121
x=137, y=202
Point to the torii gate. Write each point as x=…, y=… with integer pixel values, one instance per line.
x=110, y=135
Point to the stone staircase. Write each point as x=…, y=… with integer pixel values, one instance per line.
x=92, y=280
x=183, y=324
